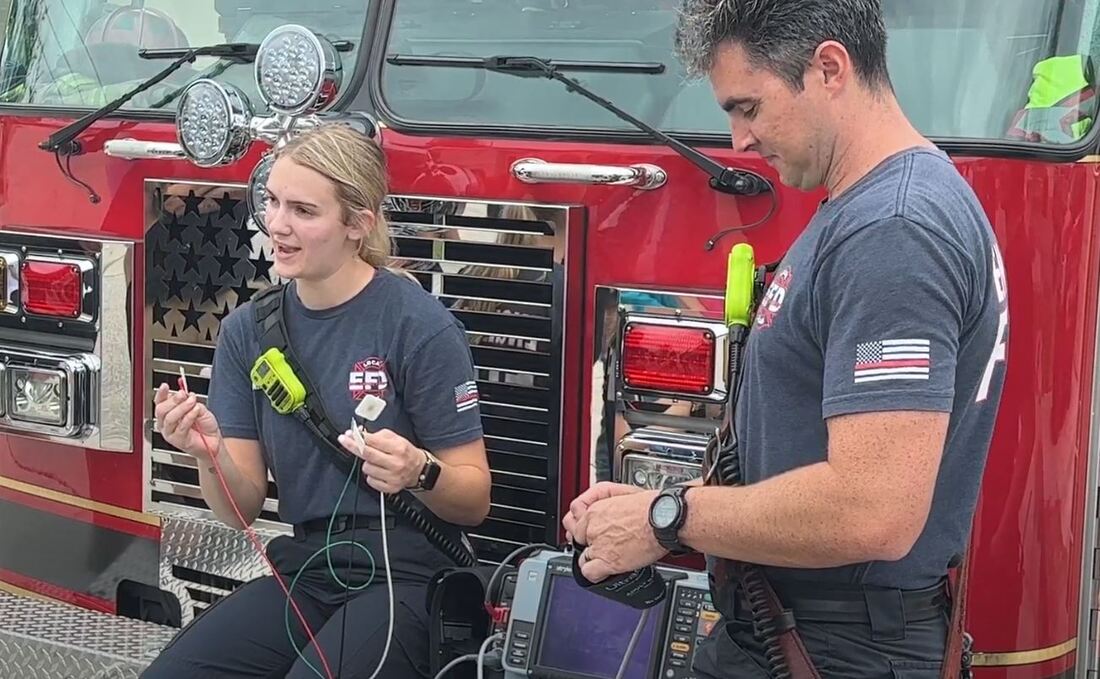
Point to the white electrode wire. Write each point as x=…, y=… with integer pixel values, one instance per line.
x=389, y=582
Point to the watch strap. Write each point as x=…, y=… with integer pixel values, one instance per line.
x=669, y=537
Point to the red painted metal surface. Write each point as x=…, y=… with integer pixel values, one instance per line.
x=54, y=592
x=1025, y=587
x=35, y=196
x=1024, y=592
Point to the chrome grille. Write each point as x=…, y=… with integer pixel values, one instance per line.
x=498, y=267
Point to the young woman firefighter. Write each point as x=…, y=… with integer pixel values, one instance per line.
x=357, y=331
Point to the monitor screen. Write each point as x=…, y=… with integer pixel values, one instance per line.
x=586, y=634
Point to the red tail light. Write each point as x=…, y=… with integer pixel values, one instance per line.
x=52, y=288
x=668, y=358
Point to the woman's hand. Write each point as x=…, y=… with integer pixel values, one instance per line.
x=184, y=422
x=390, y=462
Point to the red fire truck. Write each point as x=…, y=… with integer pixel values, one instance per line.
x=544, y=218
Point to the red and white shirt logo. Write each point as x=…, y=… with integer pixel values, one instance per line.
x=773, y=299
x=368, y=376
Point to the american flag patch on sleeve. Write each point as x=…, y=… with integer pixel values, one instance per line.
x=895, y=359
x=466, y=396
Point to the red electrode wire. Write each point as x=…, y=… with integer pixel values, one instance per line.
x=255, y=539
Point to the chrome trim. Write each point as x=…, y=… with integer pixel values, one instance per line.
x=138, y=149
x=664, y=446
x=256, y=195
x=537, y=171
x=330, y=75
x=9, y=259
x=104, y=341
x=611, y=406
x=115, y=347
x=273, y=129
x=238, y=134
x=1088, y=652
x=79, y=374
x=87, y=279
x=719, y=390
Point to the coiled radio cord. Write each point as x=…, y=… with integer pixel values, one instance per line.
x=727, y=468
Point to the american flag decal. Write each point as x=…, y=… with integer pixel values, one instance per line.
x=466, y=396
x=897, y=359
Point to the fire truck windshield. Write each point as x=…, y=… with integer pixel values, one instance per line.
x=84, y=53
x=1010, y=70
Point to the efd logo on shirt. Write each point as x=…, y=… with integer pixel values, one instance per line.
x=773, y=299
x=368, y=376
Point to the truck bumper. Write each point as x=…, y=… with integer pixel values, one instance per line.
x=42, y=639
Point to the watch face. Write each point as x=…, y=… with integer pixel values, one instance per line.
x=664, y=511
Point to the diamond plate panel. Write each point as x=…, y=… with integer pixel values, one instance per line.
x=207, y=547
x=54, y=640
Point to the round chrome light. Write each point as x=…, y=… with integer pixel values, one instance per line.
x=257, y=191
x=212, y=123
x=297, y=71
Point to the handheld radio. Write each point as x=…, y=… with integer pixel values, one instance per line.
x=272, y=374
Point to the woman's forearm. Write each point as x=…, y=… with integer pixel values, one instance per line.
x=460, y=495
x=246, y=495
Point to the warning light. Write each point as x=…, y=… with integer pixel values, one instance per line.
x=669, y=358
x=53, y=287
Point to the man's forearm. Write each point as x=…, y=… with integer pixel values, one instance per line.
x=246, y=495
x=808, y=518
x=460, y=496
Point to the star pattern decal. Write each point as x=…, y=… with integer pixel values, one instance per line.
x=227, y=207
x=262, y=267
x=191, y=260
x=244, y=293
x=243, y=236
x=191, y=317
x=202, y=248
x=175, y=289
x=175, y=232
x=226, y=263
x=210, y=233
x=210, y=290
x=191, y=203
x=223, y=312
x=159, y=313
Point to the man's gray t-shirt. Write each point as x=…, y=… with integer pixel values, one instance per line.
x=893, y=298
x=393, y=340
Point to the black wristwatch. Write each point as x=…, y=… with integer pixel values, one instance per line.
x=429, y=473
x=667, y=515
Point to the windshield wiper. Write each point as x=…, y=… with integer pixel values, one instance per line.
x=64, y=140
x=244, y=51
x=725, y=179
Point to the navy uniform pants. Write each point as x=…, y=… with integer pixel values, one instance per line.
x=876, y=634
x=245, y=634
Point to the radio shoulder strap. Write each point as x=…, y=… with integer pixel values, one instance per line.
x=268, y=310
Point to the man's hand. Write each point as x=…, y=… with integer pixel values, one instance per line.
x=600, y=491
x=615, y=529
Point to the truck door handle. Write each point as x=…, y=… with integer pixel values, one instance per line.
x=134, y=149
x=537, y=171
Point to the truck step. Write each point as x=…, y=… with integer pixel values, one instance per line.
x=42, y=639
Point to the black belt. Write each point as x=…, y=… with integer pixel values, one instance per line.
x=884, y=609
x=343, y=522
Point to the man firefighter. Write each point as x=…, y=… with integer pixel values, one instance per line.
x=872, y=374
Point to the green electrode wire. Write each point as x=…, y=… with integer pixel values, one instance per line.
x=327, y=551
